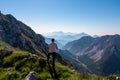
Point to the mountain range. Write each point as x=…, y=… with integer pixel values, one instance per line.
x=63, y=37
x=101, y=54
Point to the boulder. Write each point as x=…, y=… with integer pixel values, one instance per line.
x=31, y=76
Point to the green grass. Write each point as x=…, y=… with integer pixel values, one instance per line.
x=4, y=44
x=12, y=59
x=19, y=69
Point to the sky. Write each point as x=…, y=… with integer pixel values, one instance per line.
x=98, y=17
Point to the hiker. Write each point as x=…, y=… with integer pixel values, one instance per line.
x=52, y=48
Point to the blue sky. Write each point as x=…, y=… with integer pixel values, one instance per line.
x=99, y=17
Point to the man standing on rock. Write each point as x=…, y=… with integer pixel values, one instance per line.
x=52, y=48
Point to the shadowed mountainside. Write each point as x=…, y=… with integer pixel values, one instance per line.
x=101, y=54
x=20, y=35
x=79, y=45
x=78, y=65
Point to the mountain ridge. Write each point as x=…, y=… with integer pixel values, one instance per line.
x=20, y=35
x=99, y=54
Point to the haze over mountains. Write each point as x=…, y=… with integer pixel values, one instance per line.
x=63, y=37
x=96, y=55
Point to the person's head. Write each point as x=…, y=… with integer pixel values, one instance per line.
x=52, y=40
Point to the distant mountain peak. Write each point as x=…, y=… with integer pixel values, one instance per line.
x=63, y=37
x=10, y=16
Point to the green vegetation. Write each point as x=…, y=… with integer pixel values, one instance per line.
x=17, y=65
x=2, y=44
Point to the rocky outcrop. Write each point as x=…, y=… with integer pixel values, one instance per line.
x=4, y=53
x=20, y=35
x=31, y=76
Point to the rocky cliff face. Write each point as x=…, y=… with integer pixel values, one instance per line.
x=20, y=35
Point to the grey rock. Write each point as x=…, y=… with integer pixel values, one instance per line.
x=31, y=76
x=8, y=69
x=4, y=53
x=24, y=59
